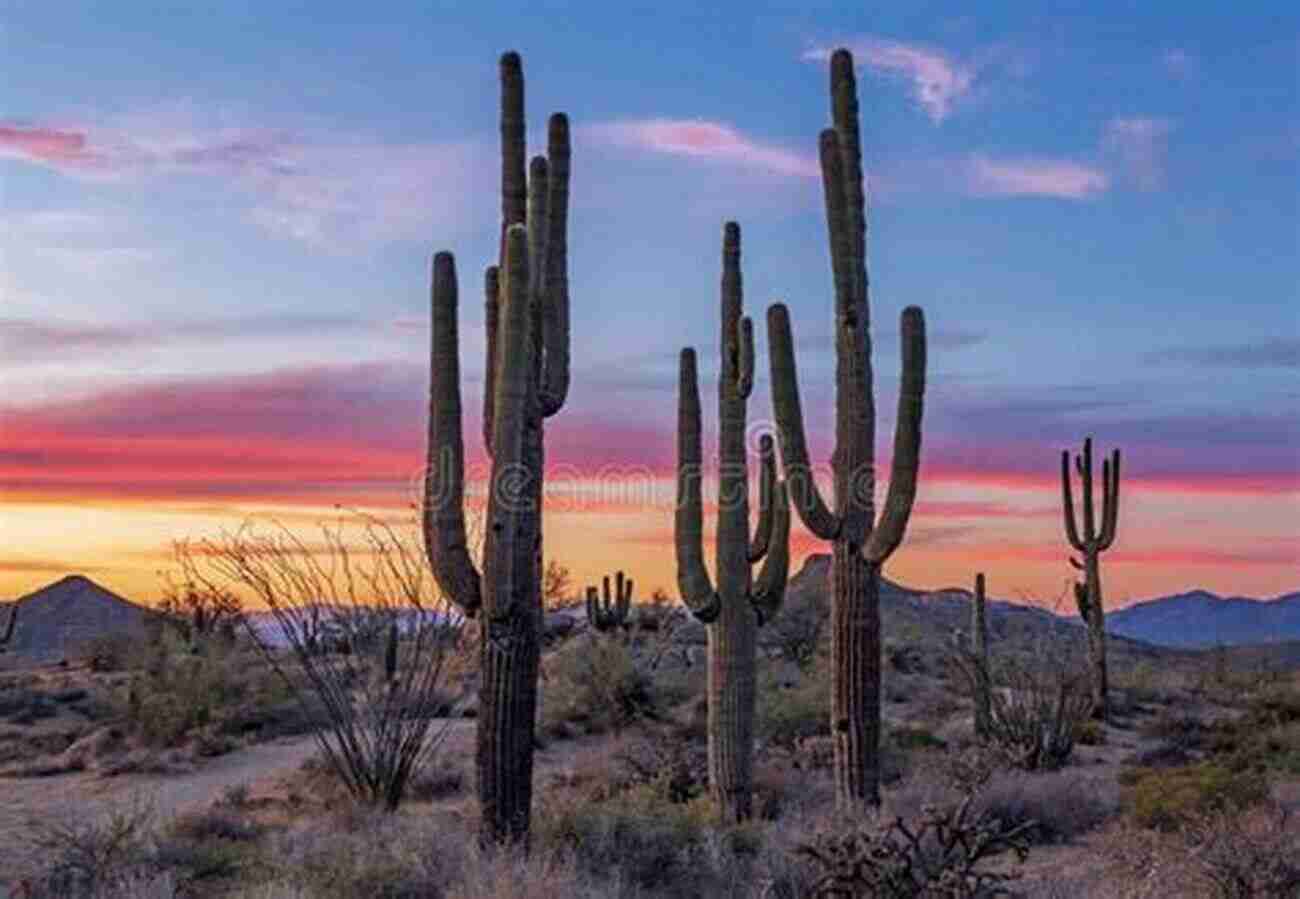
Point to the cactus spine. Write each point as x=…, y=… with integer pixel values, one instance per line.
x=613, y=612
x=739, y=604
x=1093, y=542
x=979, y=649
x=527, y=379
x=860, y=545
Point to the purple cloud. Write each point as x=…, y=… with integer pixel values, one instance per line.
x=1268, y=352
x=703, y=139
x=1033, y=178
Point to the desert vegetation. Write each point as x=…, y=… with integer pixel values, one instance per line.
x=771, y=737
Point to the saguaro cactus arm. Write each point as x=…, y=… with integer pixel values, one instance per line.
x=514, y=182
x=692, y=575
x=769, y=589
x=758, y=546
x=1067, y=505
x=1110, y=501
x=509, y=568
x=906, y=463
x=444, y=476
x=491, y=315
x=804, y=495
x=555, y=370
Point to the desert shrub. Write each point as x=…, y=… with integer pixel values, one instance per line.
x=1168, y=798
x=1064, y=805
x=1036, y=711
x=23, y=705
x=1090, y=733
x=785, y=715
x=1247, y=855
x=439, y=780
x=595, y=685
x=943, y=853
x=673, y=770
x=797, y=632
x=109, y=652
x=86, y=855
x=910, y=738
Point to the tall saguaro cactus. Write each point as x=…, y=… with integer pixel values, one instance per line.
x=1090, y=543
x=739, y=604
x=527, y=380
x=860, y=544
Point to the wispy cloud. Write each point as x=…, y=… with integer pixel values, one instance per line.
x=1139, y=146
x=1266, y=352
x=938, y=80
x=703, y=139
x=1031, y=177
x=324, y=189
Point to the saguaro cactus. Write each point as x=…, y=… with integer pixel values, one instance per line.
x=739, y=604
x=979, y=650
x=527, y=380
x=1090, y=545
x=613, y=612
x=860, y=544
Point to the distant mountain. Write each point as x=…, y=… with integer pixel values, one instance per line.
x=1200, y=619
x=67, y=613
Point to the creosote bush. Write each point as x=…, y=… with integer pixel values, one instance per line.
x=1169, y=798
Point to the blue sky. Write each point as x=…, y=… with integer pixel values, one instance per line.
x=1096, y=205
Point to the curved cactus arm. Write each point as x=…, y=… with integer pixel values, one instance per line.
x=692, y=575
x=1067, y=504
x=507, y=505
x=1110, y=501
x=623, y=597
x=491, y=315
x=758, y=546
x=745, y=380
x=444, y=475
x=555, y=370
x=804, y=495
x=906, y=463
x=514, y=181
x=769, y=588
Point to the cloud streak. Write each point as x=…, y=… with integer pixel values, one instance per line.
x=706, y=140
x=326, y=190
x=938, y=80
x=1061, y=179
x=1139, y=147
x=1267, y=352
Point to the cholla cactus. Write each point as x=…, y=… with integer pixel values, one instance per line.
x=860, y=544
x=1090, y=543
x=739, y=604
x=527, y=380
x=613, y=611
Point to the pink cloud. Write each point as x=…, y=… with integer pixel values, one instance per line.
x=1033, y=178
x=328, y=190
x=704, y=139
x=938, y=80
x=1139, y=146
x=51, y=146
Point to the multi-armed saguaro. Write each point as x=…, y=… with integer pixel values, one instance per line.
x=739, y=604
x=527, y=380
x=613, y=612
x=860, y=545
x=1090, y=546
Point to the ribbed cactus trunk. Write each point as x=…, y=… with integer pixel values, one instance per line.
x=859, y=544
x=979, y=648
x=526, y=381
x=739, y=605
x=1090, y=542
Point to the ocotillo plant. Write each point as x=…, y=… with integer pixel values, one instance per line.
x=979, y=649
x=611, y=613
x=1093, y=542
x=527, y=380
x=860, y=544
x=739, y=604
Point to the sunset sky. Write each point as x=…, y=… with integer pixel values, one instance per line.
x=216, y=223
